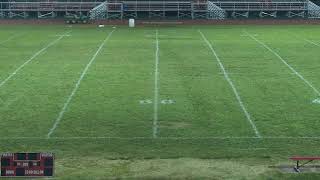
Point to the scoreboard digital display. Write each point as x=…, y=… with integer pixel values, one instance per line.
x=27, y=164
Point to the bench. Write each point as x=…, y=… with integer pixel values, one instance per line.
x=308, y=159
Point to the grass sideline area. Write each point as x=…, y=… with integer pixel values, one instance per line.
x=197, y=102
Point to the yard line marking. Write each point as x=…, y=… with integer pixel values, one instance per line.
x=156, y=89
x=67, y=35
x=73, y=92
x=226, y=76
x=311, y=42
x=12, y=37
x=160, y=138
x=284, y=62
x=30, y=59
x=304, y=39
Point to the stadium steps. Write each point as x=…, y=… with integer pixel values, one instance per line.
x=313, y=10
x=99, y=12
x=215, y=12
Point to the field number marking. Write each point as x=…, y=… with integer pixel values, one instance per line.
x=167, y=101
x=164, y=101
x=147, y=101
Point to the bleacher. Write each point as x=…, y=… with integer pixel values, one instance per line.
x=193, y=9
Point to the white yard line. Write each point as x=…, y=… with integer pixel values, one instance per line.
x=11, y=37
x=160, y=138
x=73, y=92
x=156, y=89
x=311, y=42
x=248, y=116
x=30, y=59
x=284, y=62
x=298, y=36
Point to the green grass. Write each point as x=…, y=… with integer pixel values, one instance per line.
x=106, y=132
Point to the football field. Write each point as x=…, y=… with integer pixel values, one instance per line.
x=243, y=94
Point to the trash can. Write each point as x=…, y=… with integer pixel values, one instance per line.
x=131, y=23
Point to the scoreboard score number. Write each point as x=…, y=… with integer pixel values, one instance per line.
x=27, y=165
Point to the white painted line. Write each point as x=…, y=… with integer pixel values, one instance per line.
x=248, y=116
x=160, y=138
x=30, y=59
x=67, y=35
x=244, y=35
x=311, y=42
x=167, y=36
x=285, y=62
x=11, y=37
x=156, y=89
x=316, y=101
x=73, y=92
x=152, y=35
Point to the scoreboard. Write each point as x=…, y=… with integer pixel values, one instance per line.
x=27, y=164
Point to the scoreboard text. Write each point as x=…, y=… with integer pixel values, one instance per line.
x=27, y=164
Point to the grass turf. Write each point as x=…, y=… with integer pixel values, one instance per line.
x=107, y=132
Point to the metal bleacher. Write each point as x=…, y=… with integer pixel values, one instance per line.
x=265, y=8
x=158, y=9
x=219, y=9
x=313, y=10
x=185, y=9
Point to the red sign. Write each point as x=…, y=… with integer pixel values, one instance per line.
x=27, y=164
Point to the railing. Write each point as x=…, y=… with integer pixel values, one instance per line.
x=87, y=6
x=156, y=5
x=165, y=6
x=47, y=6
x=159, y=6
x=200, y=7
x=262, y=6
